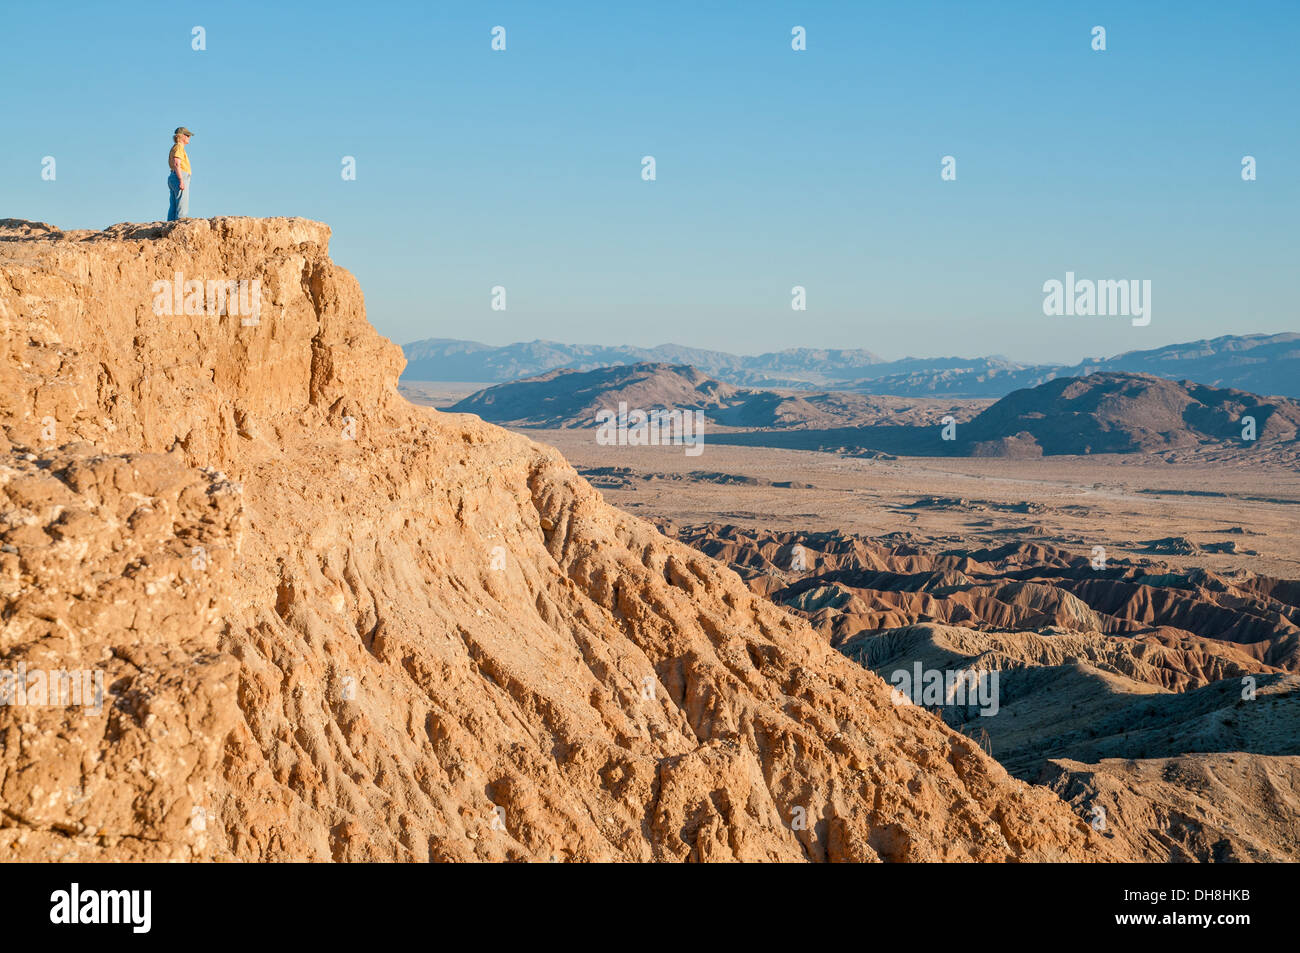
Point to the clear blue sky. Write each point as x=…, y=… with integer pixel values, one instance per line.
x=775, y=168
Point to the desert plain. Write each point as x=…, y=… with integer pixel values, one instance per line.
x=1122, y=502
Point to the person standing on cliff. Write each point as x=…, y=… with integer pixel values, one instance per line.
x=178, y=181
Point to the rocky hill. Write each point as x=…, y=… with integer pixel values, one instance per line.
x=332, y=625
x=1100, y=413
x=568, y=398
x=1123, y=413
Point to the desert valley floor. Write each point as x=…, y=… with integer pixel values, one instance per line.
x=1122, y=502
x=1076, y=503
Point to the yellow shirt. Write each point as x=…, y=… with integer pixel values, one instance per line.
x=178, y=152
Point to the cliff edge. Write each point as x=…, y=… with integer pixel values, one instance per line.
x=333, y=625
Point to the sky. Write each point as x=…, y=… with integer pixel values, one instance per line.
x=820, y=168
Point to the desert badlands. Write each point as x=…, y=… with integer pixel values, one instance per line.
x=333, y=624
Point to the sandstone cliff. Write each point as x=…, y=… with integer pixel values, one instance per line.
x=333, y=625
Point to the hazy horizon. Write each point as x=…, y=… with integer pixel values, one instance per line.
x=887, y=357
x=819, y=168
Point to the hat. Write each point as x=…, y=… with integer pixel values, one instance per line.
x=182, y=131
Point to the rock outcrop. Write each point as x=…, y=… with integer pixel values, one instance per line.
x=1161, y=702
x=332, y=625
x=1179, y=629
x=1110, y=412
x=567, y=398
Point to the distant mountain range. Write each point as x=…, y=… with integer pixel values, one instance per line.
x=443, y=359
x=1259, y=363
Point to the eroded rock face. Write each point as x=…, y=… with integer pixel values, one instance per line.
x=333, y=625
x=1144, y=696
x=1179, y=629
x=114, y=566
x=1202, y=807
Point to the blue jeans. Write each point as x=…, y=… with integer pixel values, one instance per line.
x=180, y=203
